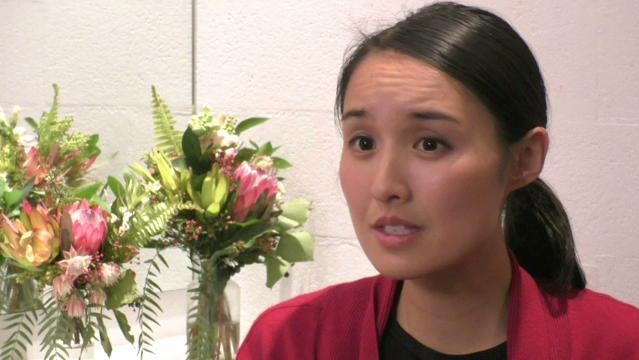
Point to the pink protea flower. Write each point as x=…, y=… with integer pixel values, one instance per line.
x=109, y=273
x=32, y=240
x=97, y=297
x=75, y=306
x=62, y=286
x=74, y=263
x=252, y=184
x=86, y=227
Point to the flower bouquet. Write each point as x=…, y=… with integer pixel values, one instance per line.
x=62, y=254
x=222, y=203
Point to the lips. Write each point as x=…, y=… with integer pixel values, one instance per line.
x=395, y=232
x=393, y=221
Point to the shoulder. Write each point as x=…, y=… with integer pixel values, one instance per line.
x=598, y=309
x=310, y=304
x=599, y=321
x=292, y=326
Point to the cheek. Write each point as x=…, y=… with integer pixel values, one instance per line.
x=467, y=196
x=355, y=183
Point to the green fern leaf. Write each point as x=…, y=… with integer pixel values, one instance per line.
x=22, y=331
x=149, y=307
x=167, y=139
x=56, y=330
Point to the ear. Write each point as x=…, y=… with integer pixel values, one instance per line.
x=528, y=156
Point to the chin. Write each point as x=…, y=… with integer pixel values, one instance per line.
x=404, y=269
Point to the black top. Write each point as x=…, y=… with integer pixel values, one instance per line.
x=397, y=344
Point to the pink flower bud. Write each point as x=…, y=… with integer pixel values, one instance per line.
x=62, y=286
x=75, y=306
x=109, y=273
x=97, y=297
x=86, y=226
x=75, y=265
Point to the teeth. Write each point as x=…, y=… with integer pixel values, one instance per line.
x=396, y=230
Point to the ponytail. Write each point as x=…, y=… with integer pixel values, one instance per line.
x=538, y=232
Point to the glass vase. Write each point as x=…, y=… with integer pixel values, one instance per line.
x=18, y=293
x=213, y=317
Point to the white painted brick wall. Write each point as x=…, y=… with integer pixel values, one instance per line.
x=281, y=59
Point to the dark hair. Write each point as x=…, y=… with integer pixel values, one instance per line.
x=486, y=55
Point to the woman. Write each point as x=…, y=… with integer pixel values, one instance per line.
x=444, y=123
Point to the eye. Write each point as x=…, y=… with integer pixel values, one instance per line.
x=430, y=144
x=362, y=143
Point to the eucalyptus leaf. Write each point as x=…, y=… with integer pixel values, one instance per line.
x=116, y=187
x=280, y=163
x=244, y=154
x=266, y=149
x=92, y=146
x=123, y=292
x=284, y=223
x=87, y=191
x=248, y=233
x=104, y=337
x=12, y=198
x=295, y=246
x=31, y=122
x=191, y=147
x=276, y=268
x=249, y=123
x=124, y=325
x=297, y=210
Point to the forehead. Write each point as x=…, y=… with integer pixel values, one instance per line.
x=388, y=78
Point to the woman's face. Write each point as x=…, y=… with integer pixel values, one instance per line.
x=422, y=169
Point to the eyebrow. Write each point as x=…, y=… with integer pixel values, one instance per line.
x=417, y=115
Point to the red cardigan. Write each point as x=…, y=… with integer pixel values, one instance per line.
x=346, y=321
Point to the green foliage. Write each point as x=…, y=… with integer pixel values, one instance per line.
x=123, y=323
x=276, y=268
x=10, y=150
x=249, y=123
x=123, y=292
x=22, y=326
x=51, y=130
x=166, y=137
x=88, y=191
x=150, y=308
x=294, y=214
x=152, y=221
x=56, y=330
x=195, y=159
x=207, y=315
x=295, y=246
x=12, y=200
x=280, y=163
x=104, y=336
x=266, y=149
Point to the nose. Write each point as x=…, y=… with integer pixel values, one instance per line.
x=391, y=182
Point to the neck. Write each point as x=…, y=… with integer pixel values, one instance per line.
x=463, y=309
